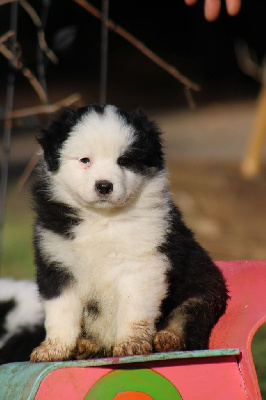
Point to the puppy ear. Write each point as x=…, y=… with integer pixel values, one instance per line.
x=58, y=131
x=139, y=112
x=149, y=137
x=54, y=136
x=141, y=120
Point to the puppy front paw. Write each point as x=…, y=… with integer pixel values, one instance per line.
x=85, y=348
x=50, y=351
x=132, y=346
x=167, y=340
x=137, y=342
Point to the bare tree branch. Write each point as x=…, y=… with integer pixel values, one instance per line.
x=189, y=98
x=40, y=33
x=6, y=36
x=44, y=109
x=139, y=45
x=2, y=2
x=38, y=23
x=38, y=110
x=248, y=62
x=25, y=176
x=17, y=64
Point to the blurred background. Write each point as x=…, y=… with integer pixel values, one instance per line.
x=208, y=133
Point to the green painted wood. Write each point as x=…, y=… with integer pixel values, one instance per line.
x=139, y=380
x=21, y=380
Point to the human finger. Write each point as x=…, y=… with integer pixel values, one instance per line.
x=190, y=2
x=233, y=6
x=212, y=9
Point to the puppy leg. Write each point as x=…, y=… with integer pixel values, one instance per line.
x=62, y=322
x=184, y=328
x=140, y=297
x=138, y=341
x=171, y=338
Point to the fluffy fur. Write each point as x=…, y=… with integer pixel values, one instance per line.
x=21, y=320
x=118, y=271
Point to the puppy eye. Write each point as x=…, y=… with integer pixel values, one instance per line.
x=85, y=160
x=124, y=161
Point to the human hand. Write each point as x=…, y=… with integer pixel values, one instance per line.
x=212, y=7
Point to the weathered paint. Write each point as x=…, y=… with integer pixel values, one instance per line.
x=24, y=378
x=194, y=379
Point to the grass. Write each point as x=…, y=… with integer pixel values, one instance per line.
x=17, y=256
x=17, y=262
x=259, y=356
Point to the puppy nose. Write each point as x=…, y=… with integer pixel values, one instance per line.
x=104, y=187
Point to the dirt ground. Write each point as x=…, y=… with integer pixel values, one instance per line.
x=204, y=149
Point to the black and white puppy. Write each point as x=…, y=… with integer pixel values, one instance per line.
x=118, y=271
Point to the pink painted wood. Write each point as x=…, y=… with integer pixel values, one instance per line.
x=246, y=312
x=226, y=377
x=197, y=379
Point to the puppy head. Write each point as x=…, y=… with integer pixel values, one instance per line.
x=101, y=156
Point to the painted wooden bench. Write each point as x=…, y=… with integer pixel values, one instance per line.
x=224, y=372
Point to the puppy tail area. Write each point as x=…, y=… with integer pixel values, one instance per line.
x=20, y=345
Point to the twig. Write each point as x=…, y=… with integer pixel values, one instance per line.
x=44, y=109
x=25, y=175
x=139, y=45
x=247, y=62
x=38, y=23
x=39, y=110
x=40, y=55
x=2, y=2
x=17, y=64
x=6, y=36
x=190, y=98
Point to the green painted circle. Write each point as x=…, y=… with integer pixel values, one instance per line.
x=141, y=380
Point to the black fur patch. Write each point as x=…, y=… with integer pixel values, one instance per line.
x=52, y=278
x=93, y=309
x=5, y=307
x=58, y=131
x=57, y=217
x=192, y=275
x=21, y=344
x=146, y=150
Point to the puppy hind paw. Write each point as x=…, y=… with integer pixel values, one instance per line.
x=166, y=340
x=48, y=351
x=85, y=348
